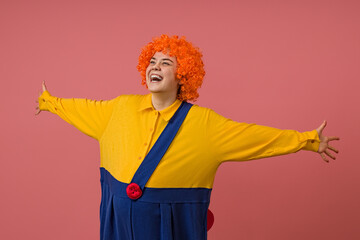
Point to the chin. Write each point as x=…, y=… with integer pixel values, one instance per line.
x=152, y=90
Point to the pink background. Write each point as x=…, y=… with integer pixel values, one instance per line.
x=286, y=64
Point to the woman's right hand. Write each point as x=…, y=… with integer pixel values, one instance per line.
x=43, y=90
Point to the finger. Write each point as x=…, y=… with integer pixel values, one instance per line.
x=323, y=157
x=43, y=86
x=321, y=128
x=329, y=154
x=333, y=149
x=333, y=138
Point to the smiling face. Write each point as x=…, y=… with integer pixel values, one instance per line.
x=161, y=74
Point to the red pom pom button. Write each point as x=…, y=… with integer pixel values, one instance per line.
x=133, y=191
x=210, y=219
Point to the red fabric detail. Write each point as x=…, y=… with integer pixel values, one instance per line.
x=133, y=191
x=210, y=219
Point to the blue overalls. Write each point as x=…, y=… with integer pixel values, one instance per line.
x=135, y=212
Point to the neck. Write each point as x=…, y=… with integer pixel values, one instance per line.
x=161, y=101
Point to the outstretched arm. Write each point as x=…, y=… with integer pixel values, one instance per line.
x=324, y=146
x=233, y=141
x=89, y=116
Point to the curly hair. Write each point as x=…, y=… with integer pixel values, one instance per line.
x=190, y=69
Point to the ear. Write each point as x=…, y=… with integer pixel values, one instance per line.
x=179, y=88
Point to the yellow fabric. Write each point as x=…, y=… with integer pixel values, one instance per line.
x=128, y=126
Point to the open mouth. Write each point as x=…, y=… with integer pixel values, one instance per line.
x=155, y=78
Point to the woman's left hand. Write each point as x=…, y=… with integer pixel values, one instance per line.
x=324, y=147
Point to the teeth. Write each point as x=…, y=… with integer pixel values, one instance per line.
x=155, y=77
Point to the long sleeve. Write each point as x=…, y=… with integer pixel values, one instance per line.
x=233, y=141
x=89, y=116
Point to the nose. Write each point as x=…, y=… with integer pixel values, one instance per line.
x=156, y=66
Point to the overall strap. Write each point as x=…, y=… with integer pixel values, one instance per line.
x=160, y=147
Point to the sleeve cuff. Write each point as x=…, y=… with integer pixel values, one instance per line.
x=44, y=97
x=313, y=141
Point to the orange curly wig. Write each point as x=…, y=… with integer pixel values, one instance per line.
x=190, y=70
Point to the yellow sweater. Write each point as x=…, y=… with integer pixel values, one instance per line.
x=128, y=126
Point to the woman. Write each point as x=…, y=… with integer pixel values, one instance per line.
x=159, y=154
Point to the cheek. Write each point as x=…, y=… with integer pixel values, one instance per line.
x=172, y=75
x=147, y=71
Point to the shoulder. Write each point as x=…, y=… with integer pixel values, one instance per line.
x=209, y=117
x=203, y=111
x=132, y=102
x=132, y=98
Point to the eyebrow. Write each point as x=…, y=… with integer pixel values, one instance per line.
x=164, y=59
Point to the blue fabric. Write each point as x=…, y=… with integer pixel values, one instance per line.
x=160, y=213
x=161, y=145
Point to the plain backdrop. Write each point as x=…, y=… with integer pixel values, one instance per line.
x=285, y=64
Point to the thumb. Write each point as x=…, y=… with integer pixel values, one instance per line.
x=43, y=86
x=321, y=128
